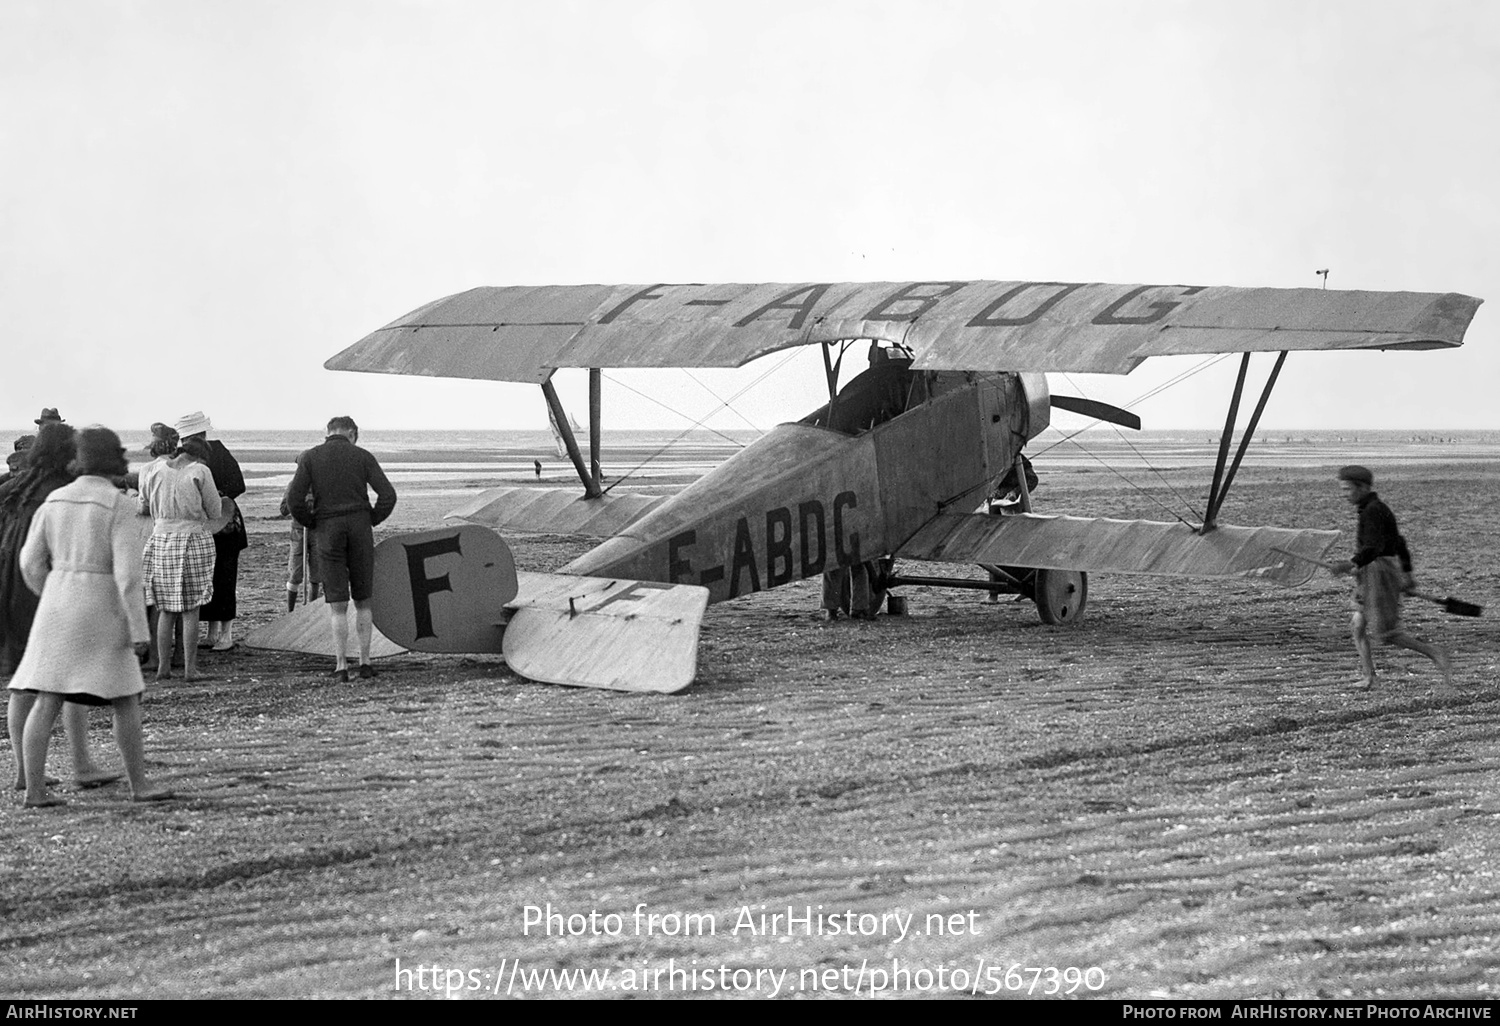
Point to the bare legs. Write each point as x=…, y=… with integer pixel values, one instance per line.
x=1400, y=639
x=132, y=745
x=86, y=772
x=1362, y=646
x=16, y=713
x=75, y=723
x=338, y=621
x=35, y=736
x=153, y=653
x=38, y=733
x=165, y=621
x=1436, y=653
x=364, y=629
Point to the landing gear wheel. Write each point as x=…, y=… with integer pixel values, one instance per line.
x=1061, y=595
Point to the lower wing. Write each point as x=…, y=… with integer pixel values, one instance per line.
x=1121, y=546
x=553, y=511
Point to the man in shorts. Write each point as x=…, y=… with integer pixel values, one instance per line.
x=330, y=493
x=1382, y=569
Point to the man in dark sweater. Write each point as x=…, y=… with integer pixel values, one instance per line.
x=1382, y=565
x=337, y=477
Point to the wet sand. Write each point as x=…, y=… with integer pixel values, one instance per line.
x=1180, y=796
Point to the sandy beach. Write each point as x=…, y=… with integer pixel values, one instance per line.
x=1181, y=796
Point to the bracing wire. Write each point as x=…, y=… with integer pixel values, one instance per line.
x=1142, y=456
x=724, y=404
x=695, y=425
x=699, y=423
x=1201, y=366
x=1115, y=471
x=1134, y=402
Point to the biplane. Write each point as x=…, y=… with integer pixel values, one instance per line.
x=896, y=464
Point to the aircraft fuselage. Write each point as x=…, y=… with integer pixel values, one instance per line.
x=806, y=499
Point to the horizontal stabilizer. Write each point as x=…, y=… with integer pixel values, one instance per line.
x=1121, y=546
x=603, y=633
x=554, y=511
x=306, y=630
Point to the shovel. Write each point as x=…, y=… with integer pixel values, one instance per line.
x=1457, y=607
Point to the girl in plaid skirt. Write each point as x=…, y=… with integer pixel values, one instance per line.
x=178, y=564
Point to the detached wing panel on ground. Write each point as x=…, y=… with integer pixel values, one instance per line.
x=1120, y=546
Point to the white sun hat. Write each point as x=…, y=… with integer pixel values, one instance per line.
x=194, y=423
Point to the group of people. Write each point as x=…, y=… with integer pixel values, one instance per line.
x=74, y=611
x=89, y=600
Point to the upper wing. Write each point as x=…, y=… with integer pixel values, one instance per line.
x=523, y=333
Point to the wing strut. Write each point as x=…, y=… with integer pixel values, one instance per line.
x=595, y=403
x=560, y=418
x=1222, y=481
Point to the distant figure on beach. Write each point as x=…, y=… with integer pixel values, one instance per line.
x=1382, y=568
x=538, y=465
x=330, y=493
x=229, y=541
x=178, y=564
x=81, y=555
x=20, y=498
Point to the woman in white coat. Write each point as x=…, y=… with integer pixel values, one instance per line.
x=82, y=557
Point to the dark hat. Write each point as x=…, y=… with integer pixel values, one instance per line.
x=49, y=413
x=1356, y=473
x=24, y=442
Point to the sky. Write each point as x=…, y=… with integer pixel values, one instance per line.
x=203, y=201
